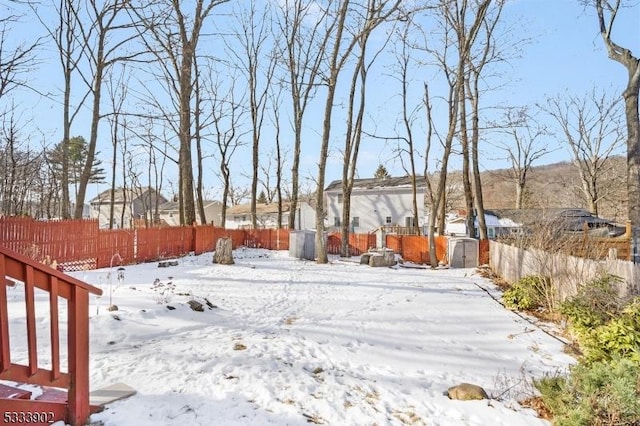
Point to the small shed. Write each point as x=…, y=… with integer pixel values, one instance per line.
x=302, y=244
x=463, y=252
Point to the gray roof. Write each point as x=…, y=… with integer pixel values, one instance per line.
x=119, y=195
x=371, y=183
x=171, y=206
x=572, y=219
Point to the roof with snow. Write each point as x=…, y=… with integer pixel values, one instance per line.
x=372, y=183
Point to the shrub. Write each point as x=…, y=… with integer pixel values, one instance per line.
x=595, y=304
x=600, y=393
x=604, y=326
x=528, y=293
x=619, y=337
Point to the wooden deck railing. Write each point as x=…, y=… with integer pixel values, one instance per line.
x=15, y=267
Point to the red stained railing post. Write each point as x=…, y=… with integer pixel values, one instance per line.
x=79, y=356
x=5, y=354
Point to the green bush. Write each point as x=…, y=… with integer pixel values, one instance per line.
x=600, y=393
x=595, y=304
x=527, y=294
x=619, y=337
x=604, y=326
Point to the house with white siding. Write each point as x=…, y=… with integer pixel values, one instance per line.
x=239, y=216
x=129, y=205
x=170, y=213
x=375, y=203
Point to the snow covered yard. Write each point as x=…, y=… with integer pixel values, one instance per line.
x=291, y=342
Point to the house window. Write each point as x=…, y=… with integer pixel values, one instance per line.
x=339, y=198
x=336, y=221
x=355, y=222
x=388, y=220
x=409, y=222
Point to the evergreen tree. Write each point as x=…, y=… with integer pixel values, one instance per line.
x=262, y=198
x=381, y=173
x=78, y=150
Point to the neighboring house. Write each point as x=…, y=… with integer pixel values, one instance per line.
x=563, y=219
x=129, y=205
x=267, y=216
x=376, y=203
x=170, y=213
x=456, y=225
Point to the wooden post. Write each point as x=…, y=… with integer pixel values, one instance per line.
x=78, y=356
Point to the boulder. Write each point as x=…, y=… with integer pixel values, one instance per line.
x=381, y=257
x=196, y=306
x=467, y=392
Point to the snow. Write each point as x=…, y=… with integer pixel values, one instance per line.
x=291, y=342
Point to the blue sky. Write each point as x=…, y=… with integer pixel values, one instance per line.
x=563, y=52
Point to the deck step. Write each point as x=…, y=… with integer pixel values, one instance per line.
x=109, y=394
x=52, y=394
x=11, y=392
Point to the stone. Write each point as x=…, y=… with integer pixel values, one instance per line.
x=196, y=306
x=224, y=251
x=467, y=392
x=112, y=308
x=381, y=257
x=364, y=258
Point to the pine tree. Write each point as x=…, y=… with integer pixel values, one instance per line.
x=381, y=173
x=262, y=198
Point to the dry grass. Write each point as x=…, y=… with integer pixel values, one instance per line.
x=537, y=404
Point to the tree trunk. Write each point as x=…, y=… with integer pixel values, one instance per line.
x=224, y=251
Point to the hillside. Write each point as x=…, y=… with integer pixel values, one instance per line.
x=557, y=185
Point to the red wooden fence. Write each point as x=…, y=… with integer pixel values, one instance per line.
x=358, y=243
x=415, y=248
x=80, y=244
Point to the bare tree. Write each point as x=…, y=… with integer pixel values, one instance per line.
x=103, y=38
x=117, y=91
x=276, y=97
x=15, y=62
x=20, y=167
x=303, y=52
x=407, y=144
x=488, y=52
x=525, y=145
x=376, y=12
x=355, y=114
x=591, y=127
x=258, y=68
x=70, y=52
x=607, y=12
x=226, y=114
x=175, y=35
x=460, y=20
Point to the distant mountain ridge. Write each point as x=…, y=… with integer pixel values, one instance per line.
x=556, y=185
